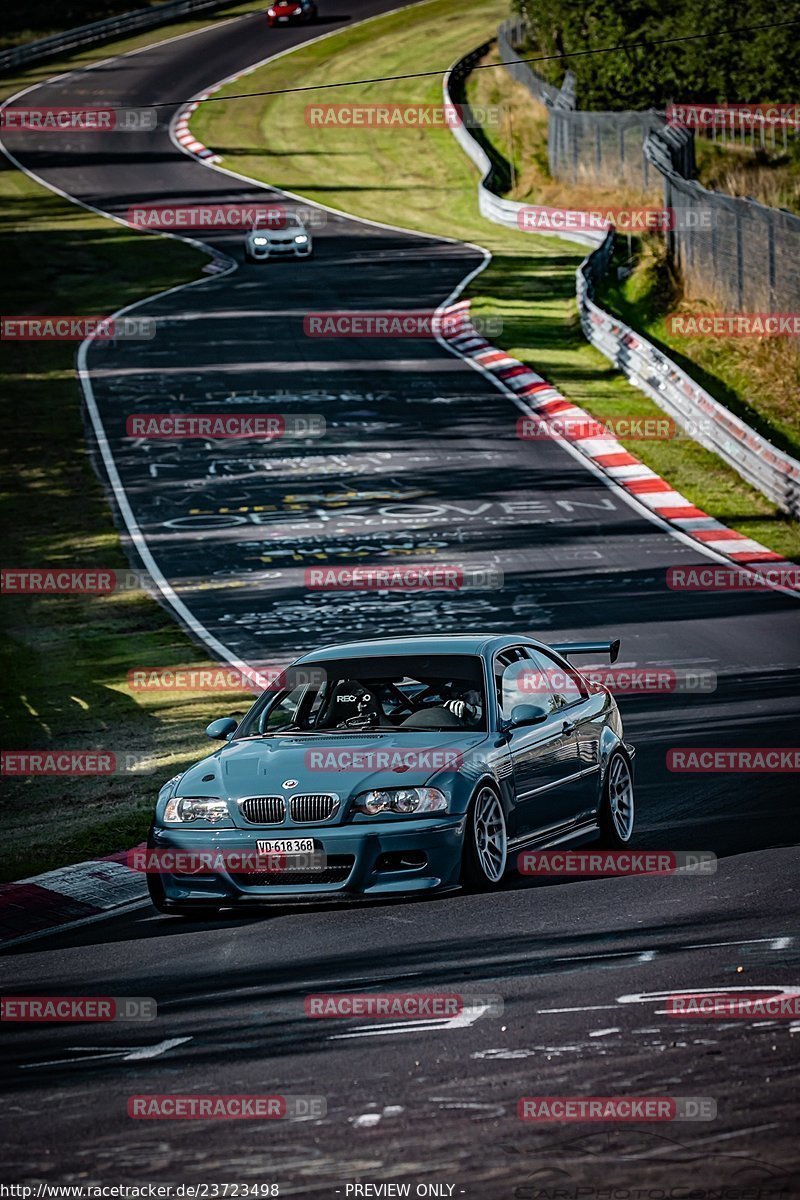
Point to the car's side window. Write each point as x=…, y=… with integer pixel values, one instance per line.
x=509, y=671
x=552, y=684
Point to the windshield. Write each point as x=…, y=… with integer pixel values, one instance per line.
x=388, y=693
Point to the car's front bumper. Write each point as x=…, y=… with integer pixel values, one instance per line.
x=276, y=250
x=363, y=860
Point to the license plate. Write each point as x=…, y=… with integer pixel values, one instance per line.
x=286, y=846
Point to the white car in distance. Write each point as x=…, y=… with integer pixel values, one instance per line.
x=286, y=237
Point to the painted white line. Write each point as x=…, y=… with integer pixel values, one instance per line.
x=468, y=1016
x=124, y=1053
x=776, y=943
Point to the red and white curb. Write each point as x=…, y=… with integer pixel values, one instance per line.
x=69, y=895
x=184, y=135
x=606, y=453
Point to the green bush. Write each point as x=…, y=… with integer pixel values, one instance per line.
x=761, y=66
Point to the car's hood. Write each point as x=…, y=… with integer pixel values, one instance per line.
x=342, y=763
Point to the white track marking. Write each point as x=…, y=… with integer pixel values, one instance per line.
x=125, y=1053
x=468, y=1016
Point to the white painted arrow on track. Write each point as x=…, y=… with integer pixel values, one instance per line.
x=125, y=1053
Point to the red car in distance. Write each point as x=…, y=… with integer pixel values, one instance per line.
x=291, y=12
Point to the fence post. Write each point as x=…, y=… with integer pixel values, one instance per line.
x=737, y=210
x=771, y=276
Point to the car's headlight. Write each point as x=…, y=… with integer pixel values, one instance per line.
x=170, y=787
x=259, y=241
x=194, y=808
x=401, y=800
x=301, y=237
x=270, y=12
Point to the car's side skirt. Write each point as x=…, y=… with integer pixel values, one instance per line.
x=556, y=835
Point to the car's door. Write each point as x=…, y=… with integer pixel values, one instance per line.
x=544, y=755
x=583, y=712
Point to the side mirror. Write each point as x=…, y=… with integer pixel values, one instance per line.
x=527, y=714
x=222, y=729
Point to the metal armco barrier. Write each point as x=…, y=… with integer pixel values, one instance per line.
x=775, y=474
x=492, y=206
x=102, y=31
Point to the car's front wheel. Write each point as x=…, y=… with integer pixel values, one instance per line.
x=617, y=805
x=485, y=855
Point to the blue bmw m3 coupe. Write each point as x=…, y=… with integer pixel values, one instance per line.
x=394, y=767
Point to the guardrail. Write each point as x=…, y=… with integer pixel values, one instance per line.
x=492, y=206
x=743, y=253
x=775, y=474
x=102, y=31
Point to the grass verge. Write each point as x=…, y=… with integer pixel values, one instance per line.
x=422, y=180
x=65, y=660
x=759, y=380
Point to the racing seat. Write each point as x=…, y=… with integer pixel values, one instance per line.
x=350, y=699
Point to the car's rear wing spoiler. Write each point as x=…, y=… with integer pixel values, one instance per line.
x=570, y=648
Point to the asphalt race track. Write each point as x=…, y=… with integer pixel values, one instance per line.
x=420, y=462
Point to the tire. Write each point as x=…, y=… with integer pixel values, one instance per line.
x=197, y=912
x=617, y=809
x=485, y=855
